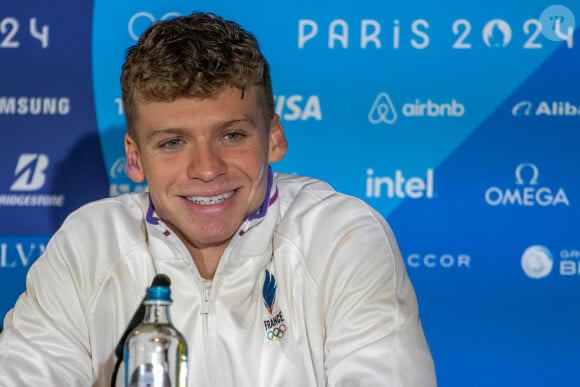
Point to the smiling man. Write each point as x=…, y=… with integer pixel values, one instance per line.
x=206, y=162
x=277, y=280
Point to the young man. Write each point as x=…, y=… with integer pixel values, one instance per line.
x=277, y=280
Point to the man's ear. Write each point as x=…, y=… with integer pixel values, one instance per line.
x=133, y=166
x=278, y=143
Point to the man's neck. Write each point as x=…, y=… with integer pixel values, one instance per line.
x=207, y=259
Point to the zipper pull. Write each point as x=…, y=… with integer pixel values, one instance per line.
x=205, y=300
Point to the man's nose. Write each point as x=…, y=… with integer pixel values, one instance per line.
x=205, y=163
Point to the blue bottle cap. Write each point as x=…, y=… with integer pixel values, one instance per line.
x=158, y=293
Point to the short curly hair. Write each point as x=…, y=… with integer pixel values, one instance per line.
x=193, y=56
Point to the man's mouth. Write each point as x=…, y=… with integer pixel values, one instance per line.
x=210, y=200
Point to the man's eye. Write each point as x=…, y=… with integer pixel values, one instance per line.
x=173, y=143
x=234, y=136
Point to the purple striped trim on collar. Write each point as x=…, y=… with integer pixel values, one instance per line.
x=151, y=218
x=267, y=200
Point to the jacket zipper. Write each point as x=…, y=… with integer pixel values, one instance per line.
x=204, y=312
x=206, y=294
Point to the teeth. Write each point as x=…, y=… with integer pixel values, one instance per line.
x=210, y=200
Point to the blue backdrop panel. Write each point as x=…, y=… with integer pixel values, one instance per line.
x=508, y=188
x=458, y=121
x=50, y=151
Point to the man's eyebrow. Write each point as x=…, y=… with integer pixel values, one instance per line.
x=243, y=120
x=171, y=131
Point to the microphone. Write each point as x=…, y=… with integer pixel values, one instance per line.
x=159, y=280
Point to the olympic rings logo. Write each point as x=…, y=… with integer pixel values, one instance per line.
x=276, y=334
x=149, y=19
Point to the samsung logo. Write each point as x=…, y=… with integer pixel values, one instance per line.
x=35, y=106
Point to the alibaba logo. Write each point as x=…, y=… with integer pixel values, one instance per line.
x=383, y=110
x=522, y=108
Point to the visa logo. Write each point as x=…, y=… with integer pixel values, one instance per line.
x=298, y=107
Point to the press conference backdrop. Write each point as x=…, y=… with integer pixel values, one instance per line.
x=459, y=121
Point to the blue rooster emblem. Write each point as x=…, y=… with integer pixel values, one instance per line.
x=269, y=291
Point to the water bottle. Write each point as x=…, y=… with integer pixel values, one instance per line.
x=155, y=352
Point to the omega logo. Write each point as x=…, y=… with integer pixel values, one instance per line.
x=527, y=192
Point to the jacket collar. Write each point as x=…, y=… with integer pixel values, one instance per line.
x=253, y=237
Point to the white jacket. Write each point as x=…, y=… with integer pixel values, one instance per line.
x=344, y=311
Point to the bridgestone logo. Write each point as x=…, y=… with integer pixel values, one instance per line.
x=31, y=200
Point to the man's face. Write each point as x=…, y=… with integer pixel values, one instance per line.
x=205, y=161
